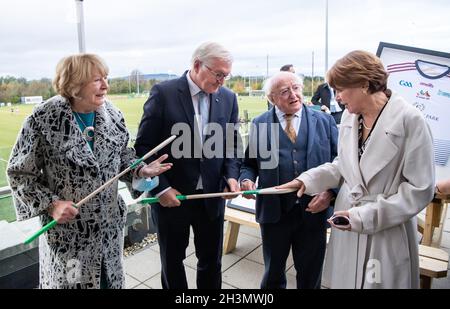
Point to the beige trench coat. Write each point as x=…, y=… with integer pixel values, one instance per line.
x=383, y=193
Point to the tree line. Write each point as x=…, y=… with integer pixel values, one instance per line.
x=12, y=88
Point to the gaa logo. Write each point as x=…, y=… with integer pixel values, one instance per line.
x=405, y=84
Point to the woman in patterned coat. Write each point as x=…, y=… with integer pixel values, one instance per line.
x=68, y=147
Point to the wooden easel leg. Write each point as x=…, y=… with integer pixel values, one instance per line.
x=429, y=228
x=231, y=236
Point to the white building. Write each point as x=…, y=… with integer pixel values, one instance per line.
x=31, y=100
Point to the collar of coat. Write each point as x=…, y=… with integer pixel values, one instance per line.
x=382, y=147
x=60, y=129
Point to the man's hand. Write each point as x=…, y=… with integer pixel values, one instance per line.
x=63, y=211
x=325, y=109
x=169, y=198
x=232, y=186
x=320, y=202
x=294, y=184
x=155, y=167
x=248, y=185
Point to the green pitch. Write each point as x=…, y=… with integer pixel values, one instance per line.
x=12, y=118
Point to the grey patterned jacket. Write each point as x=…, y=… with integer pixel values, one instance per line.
x=50, y=161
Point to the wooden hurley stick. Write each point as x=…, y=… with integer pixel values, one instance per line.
x=101, y=188
x=152, y=200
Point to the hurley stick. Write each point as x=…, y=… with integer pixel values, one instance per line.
x=101, y=188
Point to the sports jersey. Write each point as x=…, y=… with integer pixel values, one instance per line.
x=426, y=85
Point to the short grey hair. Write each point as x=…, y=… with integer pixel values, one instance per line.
x=271, y=82
x=210, y=50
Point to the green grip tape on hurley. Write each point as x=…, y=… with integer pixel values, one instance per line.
x=41, y=231
x=151, y=200
x=136, y=163
x=250, y=192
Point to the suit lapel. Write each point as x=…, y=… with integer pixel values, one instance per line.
x=274, y=149
x=311, y=121
x=184, y=95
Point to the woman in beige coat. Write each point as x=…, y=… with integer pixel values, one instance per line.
x=385, y=172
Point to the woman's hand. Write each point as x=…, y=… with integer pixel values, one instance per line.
x=155, y=168
x=63, y=211
x=344, y=213
x=294, y=184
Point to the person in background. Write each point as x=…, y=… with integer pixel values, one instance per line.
x=306, y=139
x=325, y=97
x=68, y=147
x=197, y=100
x=385, y=167
x=287, y=68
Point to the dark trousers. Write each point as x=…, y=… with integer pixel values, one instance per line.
x=305, y=233
x=173, y=228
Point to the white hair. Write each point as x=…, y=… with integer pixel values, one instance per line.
x=272, y=81
x=211, y=50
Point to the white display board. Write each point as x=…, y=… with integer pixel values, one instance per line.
x=243, y=204
x=422, y=77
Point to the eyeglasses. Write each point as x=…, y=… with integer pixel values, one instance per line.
x=219, y=76
x=287, y=91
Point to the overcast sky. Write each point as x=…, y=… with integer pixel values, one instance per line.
x=159, y=36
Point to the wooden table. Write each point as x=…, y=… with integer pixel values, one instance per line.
x=433, y=217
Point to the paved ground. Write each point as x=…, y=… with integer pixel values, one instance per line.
x=242, y=269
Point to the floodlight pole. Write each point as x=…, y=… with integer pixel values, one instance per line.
x=80, y=25
x=326, y=37
x=312, y=75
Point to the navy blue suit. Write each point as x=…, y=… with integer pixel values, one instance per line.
x=283, y=220
x=170, y=103
x=322, y=96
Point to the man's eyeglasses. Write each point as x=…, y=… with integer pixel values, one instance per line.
x=219, y=76
x=296, y=88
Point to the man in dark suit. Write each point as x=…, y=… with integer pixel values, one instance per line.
x=325, y=98
x=194, y=102
x=299, y=138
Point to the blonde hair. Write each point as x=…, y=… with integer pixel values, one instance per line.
x=357, y=69
x=73, y=72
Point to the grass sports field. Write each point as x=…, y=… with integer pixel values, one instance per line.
x=11, y=122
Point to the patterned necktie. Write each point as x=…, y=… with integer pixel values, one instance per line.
x=290, y=131
x=203, y=112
